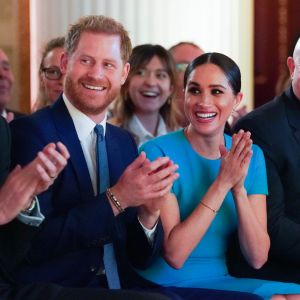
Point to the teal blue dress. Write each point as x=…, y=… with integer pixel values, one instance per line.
x=206, y=266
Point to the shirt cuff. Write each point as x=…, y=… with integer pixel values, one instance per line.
x=34, y=218
x=150, y=233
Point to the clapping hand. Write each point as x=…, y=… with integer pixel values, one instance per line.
x=23, y=183
x=235, y=163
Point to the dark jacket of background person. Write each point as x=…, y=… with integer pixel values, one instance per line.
x=275, y=127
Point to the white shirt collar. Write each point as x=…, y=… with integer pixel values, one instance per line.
x=4, y=113
x=83, y=124
x=136, y=127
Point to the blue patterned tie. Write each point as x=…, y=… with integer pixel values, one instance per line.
x=109, y=258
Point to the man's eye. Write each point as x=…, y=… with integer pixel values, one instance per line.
x=6, y=67
x=109, y=65
x=85, y=61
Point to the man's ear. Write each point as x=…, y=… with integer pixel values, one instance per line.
x=64, y=62
x=291, y=65
x=125, y=73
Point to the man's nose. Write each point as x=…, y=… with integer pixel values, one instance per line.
x=97, y=72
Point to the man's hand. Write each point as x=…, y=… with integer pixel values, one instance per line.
x=23, y=183
x=143, y=181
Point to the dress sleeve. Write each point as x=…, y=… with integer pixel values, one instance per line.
x=152, y=150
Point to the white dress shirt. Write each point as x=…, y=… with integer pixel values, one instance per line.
x=4, y=113
x=136, y=127
x=85, y=130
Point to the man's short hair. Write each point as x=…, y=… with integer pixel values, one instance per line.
x=98, y=24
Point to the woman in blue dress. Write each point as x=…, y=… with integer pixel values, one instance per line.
x=222, y=186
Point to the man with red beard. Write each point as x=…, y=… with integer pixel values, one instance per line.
x=90, y=237
x=79, y=221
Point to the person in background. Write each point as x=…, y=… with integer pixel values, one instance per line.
x=222, y=187
x=183, y=53
x=50, y=76
x=6, y=85
x=146, y=105
x=275, y=126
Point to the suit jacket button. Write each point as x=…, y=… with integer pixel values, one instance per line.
x=101, y=271
x=93, y=269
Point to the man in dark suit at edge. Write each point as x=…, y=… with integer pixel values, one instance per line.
x=275, y=127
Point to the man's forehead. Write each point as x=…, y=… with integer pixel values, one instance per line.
x=3, y=57
x=186, y=53
x=296, y=54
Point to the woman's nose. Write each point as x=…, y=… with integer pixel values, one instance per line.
x=150, y=78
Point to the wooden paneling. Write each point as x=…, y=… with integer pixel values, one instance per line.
x=24, y=54
x=276, y=24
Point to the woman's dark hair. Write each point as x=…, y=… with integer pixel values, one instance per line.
x=225, y=63
x=140, y=57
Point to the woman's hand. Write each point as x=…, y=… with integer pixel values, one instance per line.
x=235, y=163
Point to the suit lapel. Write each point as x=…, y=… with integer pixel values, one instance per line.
x=292, y=105
x=67, y=133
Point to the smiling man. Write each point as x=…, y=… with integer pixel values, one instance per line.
x=85, y=224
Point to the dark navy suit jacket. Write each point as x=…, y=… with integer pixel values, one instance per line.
x=68, y=249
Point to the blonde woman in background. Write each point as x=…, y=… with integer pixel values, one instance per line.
x=50, y=75
x=145, y=106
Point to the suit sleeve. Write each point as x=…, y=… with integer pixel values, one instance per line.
x=74, y=219
x=283, y=230
x=5, y=150
x=77, y=221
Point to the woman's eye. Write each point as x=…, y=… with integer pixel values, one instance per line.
x=54, y=72
x=140, y=72
x=216, y=92
x=162, y=75
x=194, y=91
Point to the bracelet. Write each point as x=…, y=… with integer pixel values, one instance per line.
x=205, y=205
x=114, y=200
